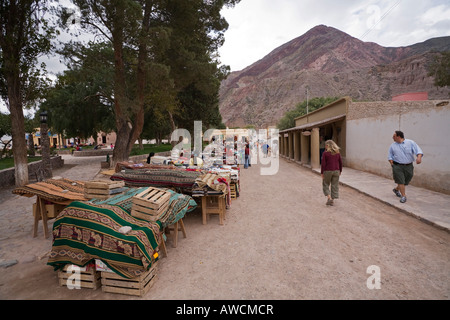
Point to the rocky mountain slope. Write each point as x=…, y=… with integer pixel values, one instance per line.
x=326, y=62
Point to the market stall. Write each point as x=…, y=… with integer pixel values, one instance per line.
x=118, y=227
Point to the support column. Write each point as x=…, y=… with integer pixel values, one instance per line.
x=315, y=151
x=297, y=145
x=286, y=145
x=291, y=145
x=281, y=146
x=304, y=143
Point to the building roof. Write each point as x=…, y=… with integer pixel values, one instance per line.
x=315, y=124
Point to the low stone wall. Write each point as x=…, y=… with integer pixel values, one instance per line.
x=7, y=175
x=93, y=153
x=138, y=159
x=87, y=152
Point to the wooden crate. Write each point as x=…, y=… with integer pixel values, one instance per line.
x=150, y=203
x=233, y=190
x=52, y=210
x=89, y=277
x=114, y=283
x=101, y=189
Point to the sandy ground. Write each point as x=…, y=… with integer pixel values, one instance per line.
x=279, y=241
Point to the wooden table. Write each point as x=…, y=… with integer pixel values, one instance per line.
x=213, y=204
x=54, y=192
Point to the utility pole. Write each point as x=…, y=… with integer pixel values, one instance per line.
x=307, y=107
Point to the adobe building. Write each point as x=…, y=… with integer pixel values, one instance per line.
x=364, y=132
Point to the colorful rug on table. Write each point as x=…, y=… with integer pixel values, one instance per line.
x=135, y=166
x=168, y=178
x=219, y=182
x=51, y=191
x=84, y=231
x=67, y=184
x=179, y=204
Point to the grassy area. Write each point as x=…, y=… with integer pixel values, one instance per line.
x=6, y=163
x=150, y=148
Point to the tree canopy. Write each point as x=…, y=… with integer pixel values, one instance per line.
x=440, y=69
x=25, y=35
x=163, y=62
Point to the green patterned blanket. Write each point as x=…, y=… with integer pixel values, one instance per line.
x=179, y=204
x=85, y=231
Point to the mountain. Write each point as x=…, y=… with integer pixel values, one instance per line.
x=327, y=62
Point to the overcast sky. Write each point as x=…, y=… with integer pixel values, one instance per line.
x=256, y=27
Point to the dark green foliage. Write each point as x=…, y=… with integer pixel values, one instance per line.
x=440, y=69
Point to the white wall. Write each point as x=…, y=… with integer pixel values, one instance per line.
x=369, y=138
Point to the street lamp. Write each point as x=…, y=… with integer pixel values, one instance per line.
x=43, y=116
x=45, y=145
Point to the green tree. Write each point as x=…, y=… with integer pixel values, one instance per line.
x=31, y=123
x=440, y=69
x=5, y=129
x=24, y=36
x=5, y=124
x=288, y=120
x=142, y=35
x=197, y=31
x=81, y=103
x=130, y=27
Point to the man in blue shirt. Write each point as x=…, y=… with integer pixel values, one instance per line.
x=401, y=156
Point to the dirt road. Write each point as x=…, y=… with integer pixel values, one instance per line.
x=279, y=241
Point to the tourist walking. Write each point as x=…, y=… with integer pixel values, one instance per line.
x=247, y=156
x=331, y=169
x=401, y=157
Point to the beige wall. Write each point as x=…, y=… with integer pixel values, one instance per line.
x=331, y=110
x=370, y=126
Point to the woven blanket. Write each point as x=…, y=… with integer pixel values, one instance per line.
x=83, y=232
x=67, y=184
x=220, y=182
x=177, y=178
x=135, y=166
x=216, y=181
x=179, y=205
x=51, y=191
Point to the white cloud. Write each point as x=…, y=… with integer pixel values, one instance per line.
x=259, y=26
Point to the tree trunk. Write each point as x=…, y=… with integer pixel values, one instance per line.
x=31, y=145
x=172, y=124
x=127, y=132
x=141, y=77
x=123, y=129
x=18, y=135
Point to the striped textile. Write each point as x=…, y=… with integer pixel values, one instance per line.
x=51, y=190
x=179, y=204
x=85, y=231
x=177, y=178
x=216, y=181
